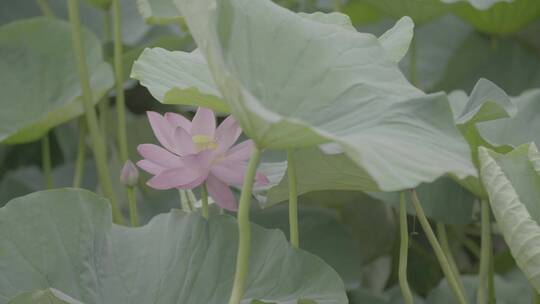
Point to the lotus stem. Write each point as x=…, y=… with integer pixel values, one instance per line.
x=46, y=161
x=204, y=200
x=81, y=155
x=244, y=230
x=98, y=145
x=403, y=251
x=439, y=253
x=132, y=200
x=103, y=109
x=293, y=199
x=482, y=294
x=45, y=8
x=445, y=245
x=119, y=82
x=185, y=201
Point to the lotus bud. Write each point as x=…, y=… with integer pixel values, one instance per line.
x=130, y=174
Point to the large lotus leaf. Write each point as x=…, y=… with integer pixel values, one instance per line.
x=64, y=239
x=512, y=182
x=510, y=289
x=324, y=83
x=497, y=16
x=322, y=234
x=159, y=11
x=178, y=78
x=184, y=78
x=521, y=128
x=487, y=102
x=47, y=296
x=42, y=89
x=419, y=10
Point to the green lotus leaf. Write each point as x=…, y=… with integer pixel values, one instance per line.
x=397, y=39
x=334, y=18
x=521, y=128
x=184, y=78
x=72, y=246
x=487, y=102
x=42, y=88
x=511, y=288
x=497, y=16
x=322, y=234
x=178, y=78
x=47, y=296
x=159, y=12
x=420, y=11
x=329, y=84
x=512, y=182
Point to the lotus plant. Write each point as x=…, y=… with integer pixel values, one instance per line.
x=196, y=153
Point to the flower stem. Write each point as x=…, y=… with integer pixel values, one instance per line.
x=45, y=8
x=204, y=200
x=81, y=155
x=103, y=108
x=187, y=205
x=445, y=245
x=403, y=251
x=244, y=230
x=482, y=294
x=536, y=296
x=443, y=261
x=293, y=199
x=98, y=145
x=132, y=200
x=119, y=83
x=46, y=161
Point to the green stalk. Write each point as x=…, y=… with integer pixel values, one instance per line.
x=81, y=155
x=103, y=109
x=403, y=251
x=119, y=83
x=132, y=200
x=46, y=161
x=204, y=200
x=491, y=280
x=98, y=145
x=482, y=294
x=46, y=8
x=439, y=253
x=244, y=230
x=187, y=205
x=445, y=245
x=293, y=200
x=536, y=296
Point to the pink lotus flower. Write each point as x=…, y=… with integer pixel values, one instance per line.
x=195, y=152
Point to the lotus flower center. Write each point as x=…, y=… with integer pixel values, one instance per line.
x=204, y=142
